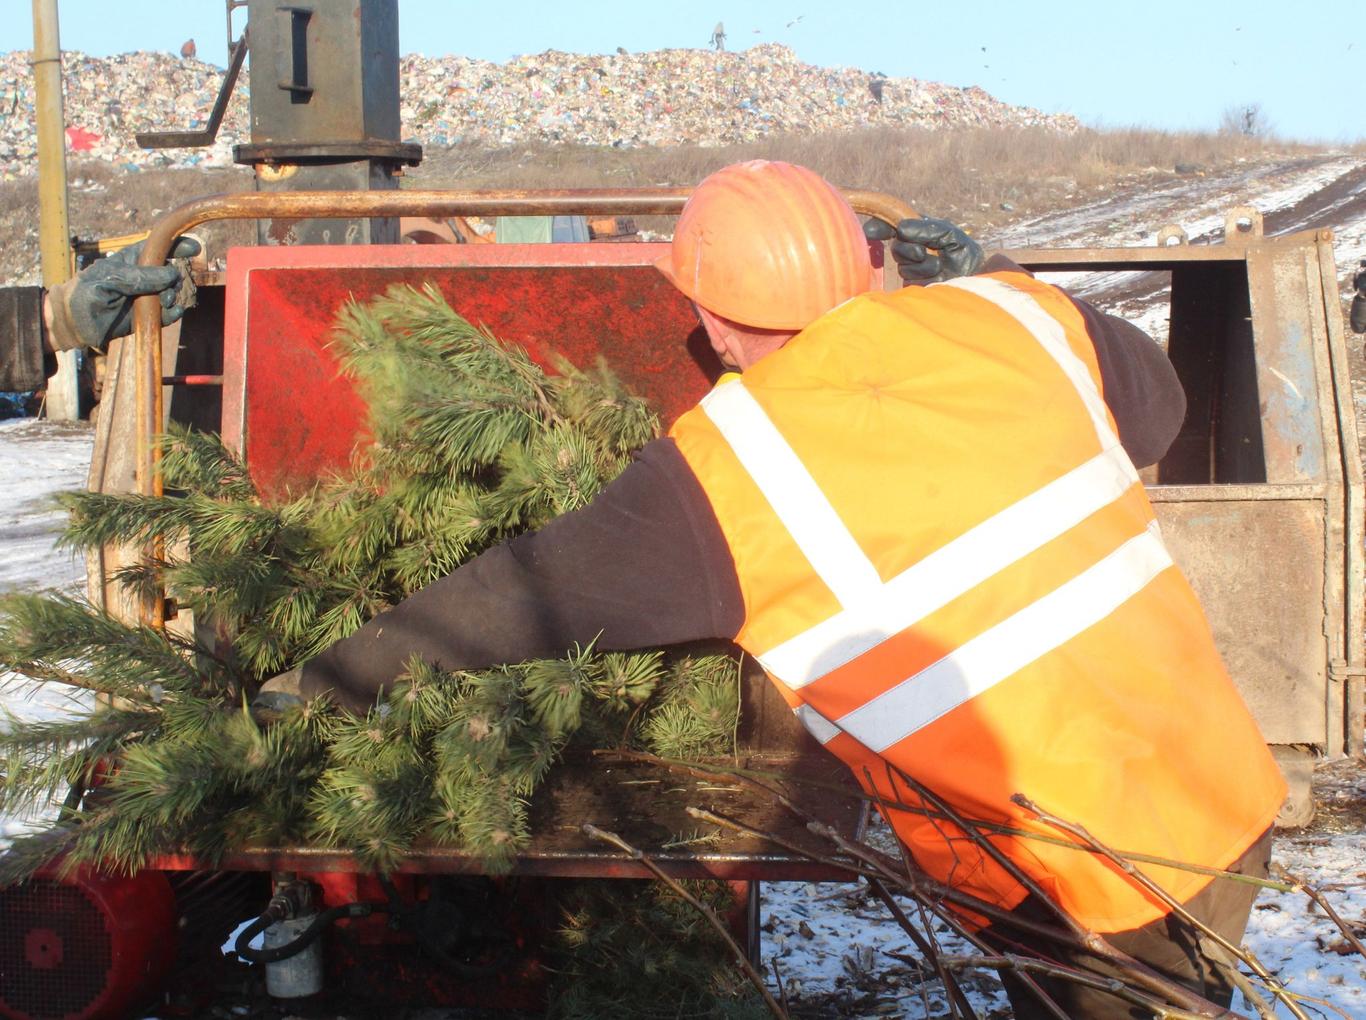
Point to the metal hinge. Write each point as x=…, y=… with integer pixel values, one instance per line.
x=1341, y=669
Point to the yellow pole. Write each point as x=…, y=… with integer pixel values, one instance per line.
x=53, y=229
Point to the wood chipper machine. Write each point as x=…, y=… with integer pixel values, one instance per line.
x=1260, y=500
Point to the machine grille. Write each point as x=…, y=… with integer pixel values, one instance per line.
x=54, y=950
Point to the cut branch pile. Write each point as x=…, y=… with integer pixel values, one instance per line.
x=1091, y=961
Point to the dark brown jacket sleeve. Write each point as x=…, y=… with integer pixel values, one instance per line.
x=1139, y=384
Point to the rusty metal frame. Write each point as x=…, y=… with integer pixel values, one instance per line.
x=1349, y=668
x=203, y=136
x=372, y=205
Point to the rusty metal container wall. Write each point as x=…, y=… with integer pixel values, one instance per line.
x=1258, y=495
x=21, y=339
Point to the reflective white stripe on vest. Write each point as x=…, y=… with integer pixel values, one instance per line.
x=816, y=724
x=1051, y=336
x=1010, y=646
x=794, y=495
x=952, y=570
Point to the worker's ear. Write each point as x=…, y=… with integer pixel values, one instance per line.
x=724, y=339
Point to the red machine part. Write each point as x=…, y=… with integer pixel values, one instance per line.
x=510, y=975
x=287, y=409
x=523, y=912
x=84, y=947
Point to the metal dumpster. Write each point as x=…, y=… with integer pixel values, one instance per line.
x=1260, y=496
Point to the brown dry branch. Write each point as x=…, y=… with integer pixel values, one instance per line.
x=1093, y=942
x=761, y=778
x=1205, y=931
x=1240, y=981
x=754, y=976
x=921, y=885
x=1319, y=900
x=867, y=863
x=927, y=893
x=957, y=999
x=1023, y=965
x=778, y=980
x=1135, y=972
x=871, y=865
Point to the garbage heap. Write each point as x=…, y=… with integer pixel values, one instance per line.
x=663, y=97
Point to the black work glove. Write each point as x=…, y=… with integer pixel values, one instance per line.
x=100, y=304
x=957, y=253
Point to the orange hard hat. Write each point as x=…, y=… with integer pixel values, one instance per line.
x=770, y=245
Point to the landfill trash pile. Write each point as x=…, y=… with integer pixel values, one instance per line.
x=108, y=100
x=664, y=97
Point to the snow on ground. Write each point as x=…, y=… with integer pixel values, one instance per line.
x=37, y=460
x=830, y=942
x=1199, y=206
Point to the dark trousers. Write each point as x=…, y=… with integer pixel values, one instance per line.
x=1166, y=945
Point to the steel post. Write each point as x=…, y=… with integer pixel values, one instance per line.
x=53, y=230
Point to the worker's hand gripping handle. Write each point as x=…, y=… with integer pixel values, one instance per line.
x=928, y=250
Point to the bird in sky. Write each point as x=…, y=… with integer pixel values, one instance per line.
x=795, y=20
x=187, y=49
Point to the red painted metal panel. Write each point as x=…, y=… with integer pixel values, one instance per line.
x=287, y=408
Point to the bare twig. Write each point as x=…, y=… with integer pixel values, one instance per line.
x=1140, y=972
x=927, y=893
x=1318, y=899
x=1111, y=986
x=1146, y=883
x=875, y=865
x=1240, y=980
x=870, y=865
x=778, y=980
x=754, y=976
x=760, y=779
x=1089, y=942
x=957, y=999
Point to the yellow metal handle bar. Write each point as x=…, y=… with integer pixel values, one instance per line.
x=373, y=205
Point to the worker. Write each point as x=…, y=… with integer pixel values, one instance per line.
x=920, y=512
x=96, y=305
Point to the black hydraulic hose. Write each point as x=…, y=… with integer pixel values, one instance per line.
x=242, y=945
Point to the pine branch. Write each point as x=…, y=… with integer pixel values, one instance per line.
x=38, y=632
x=472, y=443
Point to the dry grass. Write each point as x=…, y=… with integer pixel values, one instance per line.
x=107, y=201
x=967, y=175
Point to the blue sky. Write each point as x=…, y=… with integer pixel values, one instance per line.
x=1175, y=64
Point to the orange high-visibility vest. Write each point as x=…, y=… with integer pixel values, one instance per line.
x=949, y=565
